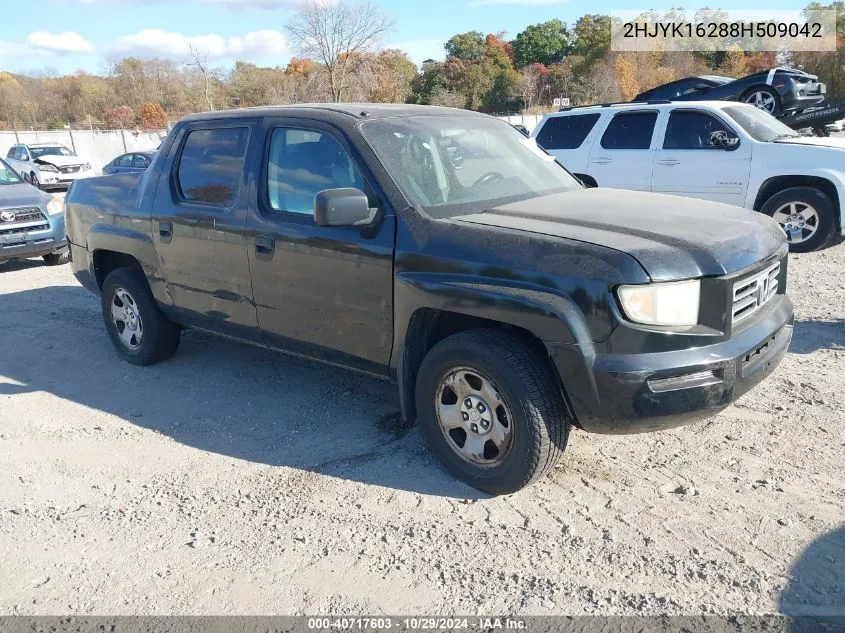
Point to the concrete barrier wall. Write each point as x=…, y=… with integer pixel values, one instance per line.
x=96, y=147
x=530, y=121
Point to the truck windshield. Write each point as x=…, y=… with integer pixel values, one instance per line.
x=761, y=126
x=7, y=176
x=454, y=165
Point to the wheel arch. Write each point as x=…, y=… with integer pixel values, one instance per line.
x=114, y=246
x=542, y=322
x=776, y=184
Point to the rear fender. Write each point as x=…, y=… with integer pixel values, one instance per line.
x=136, y=244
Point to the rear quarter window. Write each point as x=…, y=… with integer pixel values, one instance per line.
x=566, y=132
x=211, y=165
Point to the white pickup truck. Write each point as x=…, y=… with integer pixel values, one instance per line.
x=716, y=150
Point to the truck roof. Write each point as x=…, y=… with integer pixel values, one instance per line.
x=354, y=110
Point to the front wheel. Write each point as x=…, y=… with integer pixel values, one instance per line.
x=492, y=410
x=806, y=215
x=138, y=329
x=33, y=179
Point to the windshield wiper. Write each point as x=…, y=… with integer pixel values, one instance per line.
x=785, y=135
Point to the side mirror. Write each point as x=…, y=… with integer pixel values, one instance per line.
x=26, y=158
x=343, y=207
x=720, y=139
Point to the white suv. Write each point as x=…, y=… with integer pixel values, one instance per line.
x=721, y=151
x=47, y=164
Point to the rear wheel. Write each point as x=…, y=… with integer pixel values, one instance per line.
x=137, y=327
x=492, y=410
x=764, y=98
x=806, y=215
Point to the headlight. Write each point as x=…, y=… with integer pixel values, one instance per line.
x=56, y=206
x=674, y=303
x=46, y=167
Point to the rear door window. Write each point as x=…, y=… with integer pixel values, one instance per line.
x=566, y=132
x=629, y=130
x=211, y=165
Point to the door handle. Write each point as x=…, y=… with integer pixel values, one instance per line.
x=602, y=161
x=669, y=162
x=264, y=247
x=165, y=231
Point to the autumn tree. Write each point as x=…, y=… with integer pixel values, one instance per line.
x=332, y=32
x=626, y=76
x=152, y=116
x=121, y=117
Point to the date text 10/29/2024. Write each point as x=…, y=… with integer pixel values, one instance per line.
x=415, y=624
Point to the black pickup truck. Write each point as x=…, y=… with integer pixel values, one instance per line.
x=443, y=250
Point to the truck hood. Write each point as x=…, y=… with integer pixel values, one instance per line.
x=60, y=161
x=22, y=195
x=671, y=237
x=834, y=142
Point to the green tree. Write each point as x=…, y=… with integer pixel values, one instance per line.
x=545, y=43
x=468, y=47
x=591, y=41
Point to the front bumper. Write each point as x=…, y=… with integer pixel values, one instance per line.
x=635, y=393
x=65, y=180
x=21, y=242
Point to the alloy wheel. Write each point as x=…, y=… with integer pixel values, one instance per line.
x=473, y=416
x=799, y=221
x=126, y=318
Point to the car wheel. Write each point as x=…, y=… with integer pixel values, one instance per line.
x=57, y=259
x=806, y=215
x=764, y=98
x=137, y=327
x=491, y=408
x=33, y=179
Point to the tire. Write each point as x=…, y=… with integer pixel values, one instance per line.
x=57, y=259
x=760, y=95
x=802, y=240
x=154, y=337
x=33, y=180
x=525, y=394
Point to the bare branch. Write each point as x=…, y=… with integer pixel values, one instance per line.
x=334, y=32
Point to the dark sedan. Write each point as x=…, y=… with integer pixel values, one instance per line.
x=131, y=163
x=776, y=91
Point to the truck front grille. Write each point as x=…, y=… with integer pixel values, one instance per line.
x=751, y=293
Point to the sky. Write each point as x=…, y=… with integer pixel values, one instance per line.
x=67, y=35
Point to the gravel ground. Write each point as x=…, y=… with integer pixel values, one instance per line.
x=230, y=480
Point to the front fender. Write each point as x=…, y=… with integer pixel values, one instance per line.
x=553, y=319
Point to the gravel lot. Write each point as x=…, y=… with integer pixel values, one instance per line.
x=230, y=480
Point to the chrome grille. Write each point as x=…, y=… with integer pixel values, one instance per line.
x=23, y=214
x=69, y=170
x=751, y=293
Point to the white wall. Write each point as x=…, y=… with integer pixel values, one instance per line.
x=96, y=147
x=530, y=121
